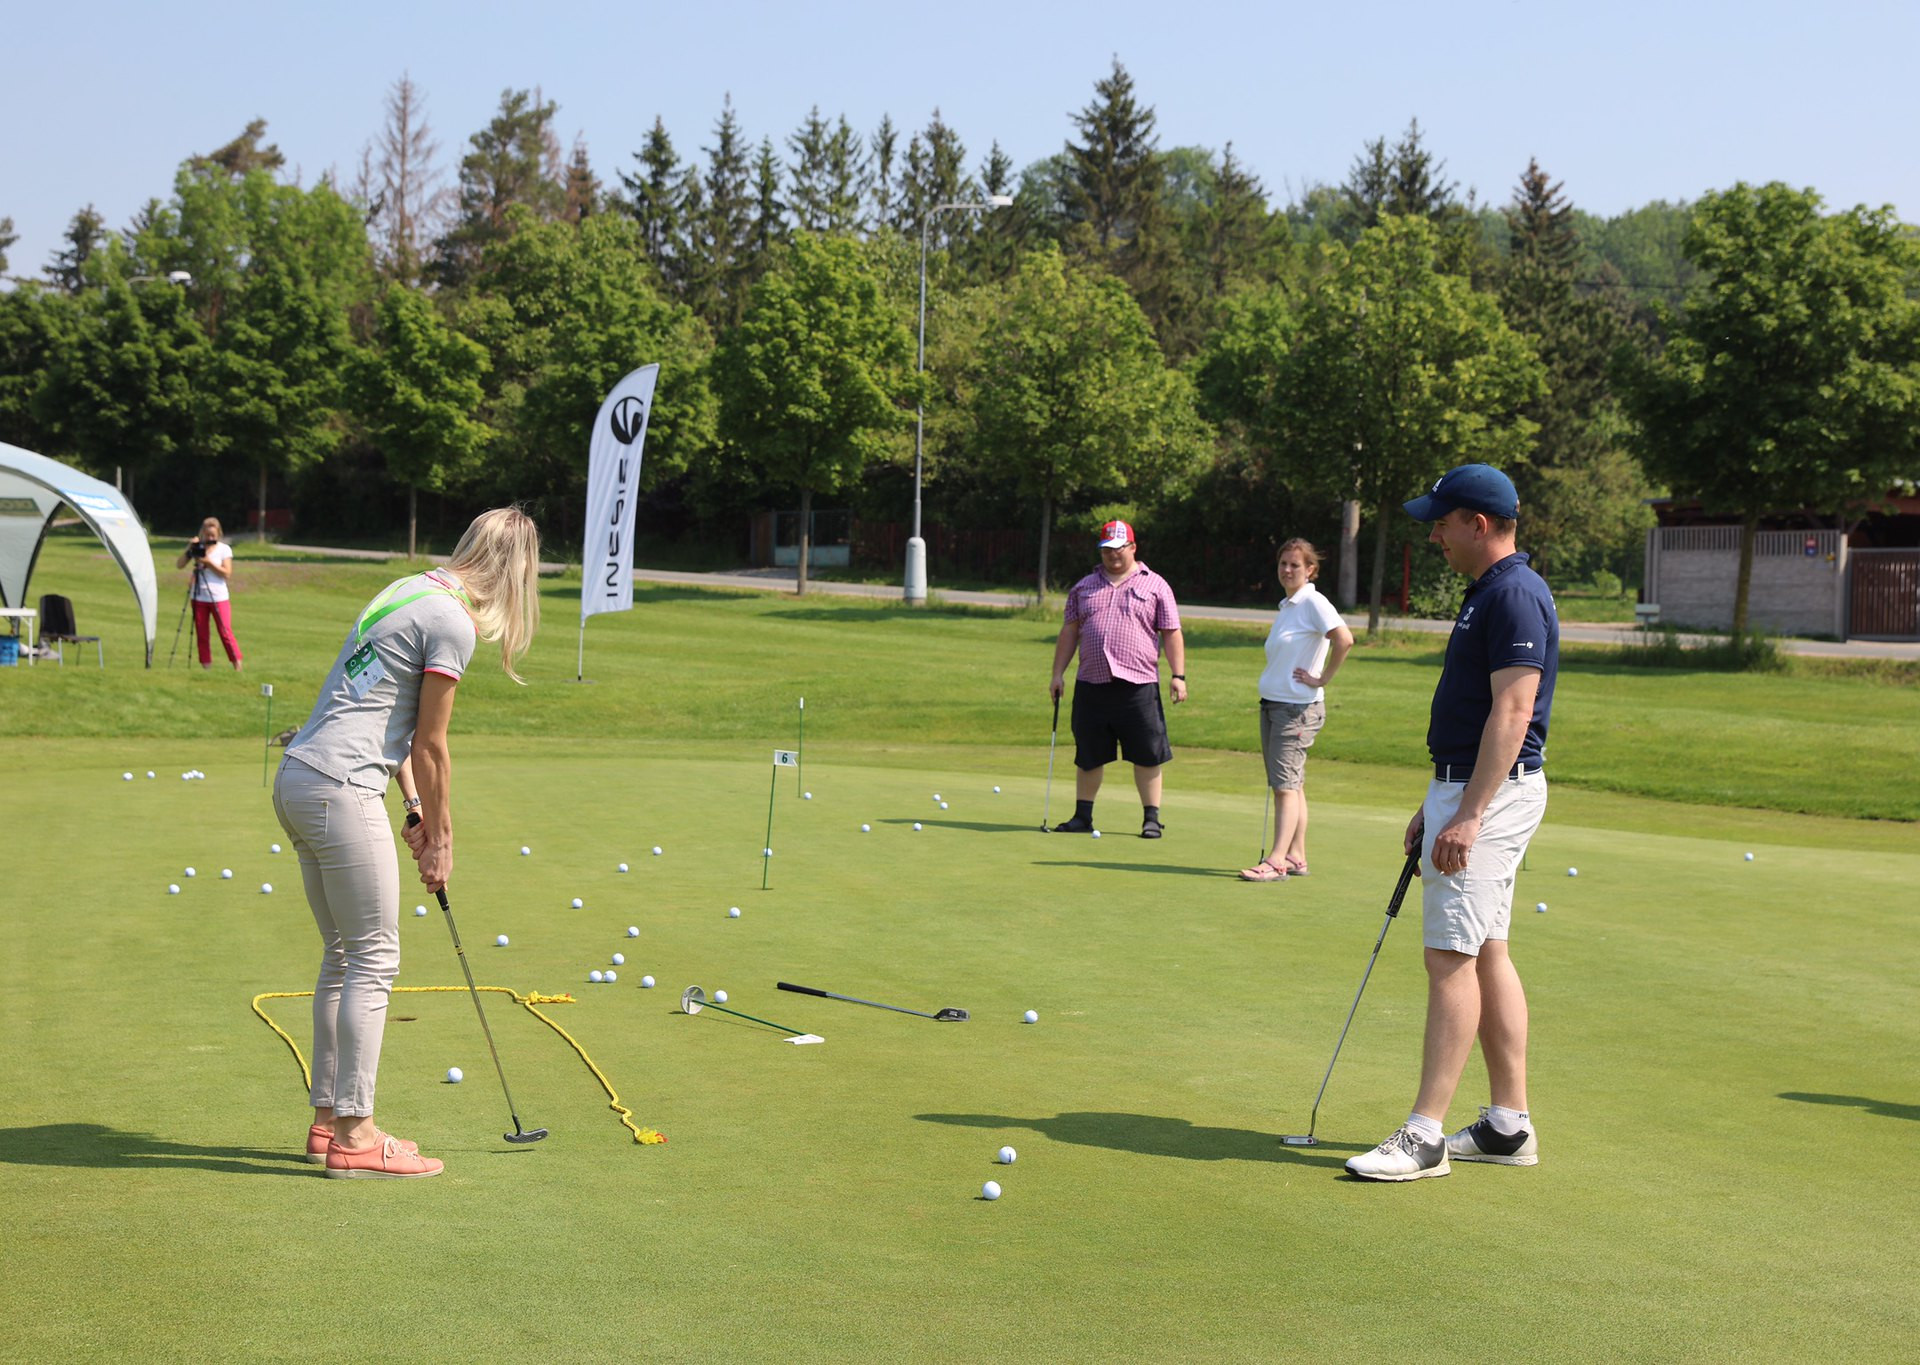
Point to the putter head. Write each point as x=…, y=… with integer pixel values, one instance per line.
x=951, y=1016
x=1300, y=1140
x=518, y=1136
x=692, y=998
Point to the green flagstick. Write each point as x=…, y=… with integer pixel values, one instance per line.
x=800, y=753
x=266, y=738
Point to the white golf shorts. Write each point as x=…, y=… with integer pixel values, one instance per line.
x=1462, y=911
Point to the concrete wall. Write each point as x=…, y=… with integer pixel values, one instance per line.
x=1692, y=572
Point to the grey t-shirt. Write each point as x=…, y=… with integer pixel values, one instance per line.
x=361, y=729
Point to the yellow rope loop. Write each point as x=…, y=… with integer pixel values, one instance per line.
x=645, y=1136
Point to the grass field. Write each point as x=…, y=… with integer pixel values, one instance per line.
x=1722, y=1063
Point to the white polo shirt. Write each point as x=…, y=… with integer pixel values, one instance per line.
x=1298, y=640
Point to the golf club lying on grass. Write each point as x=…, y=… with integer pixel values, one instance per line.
x=949, y=1015
x=519, y=1134
x=1393, y=909
x=693, y=1000
x=1046, y=807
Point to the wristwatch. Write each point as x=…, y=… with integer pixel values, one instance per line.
x=411, y=803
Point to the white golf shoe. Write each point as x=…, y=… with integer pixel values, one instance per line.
x=1404, y=1156
x=1481, y=1141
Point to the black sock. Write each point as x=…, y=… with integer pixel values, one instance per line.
x=1152, y=813
x=1083, y=810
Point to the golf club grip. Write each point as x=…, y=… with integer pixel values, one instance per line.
x=1406, y=878
x=799, y=990
x=413, y=818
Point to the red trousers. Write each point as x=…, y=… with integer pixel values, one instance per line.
x=222, y=614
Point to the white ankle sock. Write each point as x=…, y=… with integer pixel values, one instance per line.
x=1507, y=1122
x=1429, y=1130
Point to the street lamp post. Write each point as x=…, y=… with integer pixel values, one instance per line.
x=916, y=575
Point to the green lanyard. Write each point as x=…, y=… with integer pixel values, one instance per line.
x=380, y=608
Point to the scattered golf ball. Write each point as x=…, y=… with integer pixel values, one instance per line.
x=996, y=791
x=943, y=805
x=525, y=851
x=619, y=959
x=273, y=848
x=936, y=796
x=806, y=796
x=1007, y=1155
x=916, y=824
x=613, y=976
x=577, y=903
x=126, y=777
x=766, y=852
x=623, y=867
x=173, y=888
x=1573, y=872
x=719, y=997
x=866, y=829
x=990, y=1190
x=1540, y=909
x=596, y=975
x=646, y=983
x=500, y=942
x=1096, y=834
x=149, y=774
x=1749, y=857
x=226, y=874
x=656, y=850
x=1031, y=1017
x=419, y=910
x=455, y=1075
x=188, y=872
x=733, y=912
x=633, y=931
x=266, y=888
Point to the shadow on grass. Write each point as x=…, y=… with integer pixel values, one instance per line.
x=977, y=826
x=92, y=1144
x=1174, y=869
x=1885, y=1109
x=1151, y=1135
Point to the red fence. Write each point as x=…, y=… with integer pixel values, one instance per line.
x=1884, y=594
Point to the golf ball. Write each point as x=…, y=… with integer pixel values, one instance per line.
x=1031, y=1017
x=1007, y=1155
x=623, y=867
x=126, y=777
x=500, y=942
x=1573, y=872
x=633, y=931
x=766, y=852
x=419, y=910
x=733, y=912
x=577, y=902
x=806, y=796
x=916, y=824
x=266, y=888
x=173, y=888
x=1749, y=857
x=619, y=959
x=656, y=850
x=273, y=848
x=613, y=976
x=719, y=997
x=646, y=983
x=1540, y=909
x=226, y=874
x=149, y=774
x=990, y=1190
x=943, y=805
x=936, y=796
x=188, y=872
x=1096, y=834
x=996, y=791
x=455, y=1075
x=525, y=851
x=596, y=975
x=866, y=829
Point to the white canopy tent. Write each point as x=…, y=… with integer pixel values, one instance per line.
x=32, y=489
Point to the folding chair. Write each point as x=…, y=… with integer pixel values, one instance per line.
x=57, y=626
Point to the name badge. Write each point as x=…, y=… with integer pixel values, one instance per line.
x=364, y=669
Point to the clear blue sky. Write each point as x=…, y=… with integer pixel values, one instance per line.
x=1625, y=102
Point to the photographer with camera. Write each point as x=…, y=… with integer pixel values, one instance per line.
x=212, y=561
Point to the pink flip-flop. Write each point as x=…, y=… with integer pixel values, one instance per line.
x=1263, y=871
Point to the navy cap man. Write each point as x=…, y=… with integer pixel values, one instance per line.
x=1487, y=735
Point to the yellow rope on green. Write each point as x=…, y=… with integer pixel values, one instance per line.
x=648, y=1136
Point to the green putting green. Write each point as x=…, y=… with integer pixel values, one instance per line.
x=1721, y=1067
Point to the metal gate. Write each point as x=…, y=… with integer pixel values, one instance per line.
x=1884, y=594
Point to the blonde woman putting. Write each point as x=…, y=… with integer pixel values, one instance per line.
x=1305, y=649
x=382, y=715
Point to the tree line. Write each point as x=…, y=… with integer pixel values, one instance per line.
x=1136, y=330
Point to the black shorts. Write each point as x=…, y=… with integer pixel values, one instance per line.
x=1126, y=715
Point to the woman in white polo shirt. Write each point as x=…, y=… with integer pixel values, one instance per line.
x=212, y=561
x=1305, y=648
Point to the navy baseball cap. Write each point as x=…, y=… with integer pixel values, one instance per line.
x=1476, y=487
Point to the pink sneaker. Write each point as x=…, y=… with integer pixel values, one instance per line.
x=320, y=1137
x=387, y=1159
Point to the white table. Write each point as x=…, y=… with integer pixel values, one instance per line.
x=19, y=614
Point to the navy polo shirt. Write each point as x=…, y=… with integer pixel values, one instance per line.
x=1508, y=619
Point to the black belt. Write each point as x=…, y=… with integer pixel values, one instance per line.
x=1463, y=772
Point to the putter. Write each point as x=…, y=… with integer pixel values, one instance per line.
x=693, y=1000
x=1266, y=800
x=1047, y=806
x=950, y=1015
x=519, y=1134
x=1307, y=1139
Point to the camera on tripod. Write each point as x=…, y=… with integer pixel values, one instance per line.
x=197, y=550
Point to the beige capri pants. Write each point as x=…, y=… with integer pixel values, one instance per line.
x=1287, y=730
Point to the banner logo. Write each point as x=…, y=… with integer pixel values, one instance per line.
x=628, y=420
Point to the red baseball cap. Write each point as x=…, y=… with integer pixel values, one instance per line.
x=1115, y=534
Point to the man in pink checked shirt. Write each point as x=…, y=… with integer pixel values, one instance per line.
x=1118, y=618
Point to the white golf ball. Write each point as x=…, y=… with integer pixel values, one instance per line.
x=188, y=872
x=419, y=910
x=500, y=942
x=266, y=888
x=173, y=888
x=226, y=874
x=149, y=774
x=996, y=791
x=656, y=850
x=619, y=959
x=623, y=867
x=578, y=903
x=866, y=829
x=525, y=851
x=1540, y=909
x=766, y=852
x=633, y=931
x=273, y=848
x=1007, y=1156
x=1031, y=1017
x=646, y=983
x=734, y=912
x=943, y=805
x=596, y=975
x=1096, y=834
x=916, y=824
x=806, y=796
x=1573, y=872
x=936, y=796
x=613, y=976
x=126, y=777
x=1749, y=857
x=455, y=1075
x=990, y=1190
x=719, y=997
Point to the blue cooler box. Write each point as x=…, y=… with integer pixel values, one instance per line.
x=9, y=651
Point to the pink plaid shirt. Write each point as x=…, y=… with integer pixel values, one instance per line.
x=1120, y=625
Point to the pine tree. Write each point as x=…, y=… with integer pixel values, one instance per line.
x=512, y=163
x=654, y=194
x=846, y=180
x=723, y=232
x=84, y=234
x=581, y=189
x=1404, y=180
x=1115, y=174
x=809, y=175
x=243, y=154
x=406, y=199
x=881, y=189
x=935, y=174
x=7, y=238
x=769, y=213
x=1230, y=229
